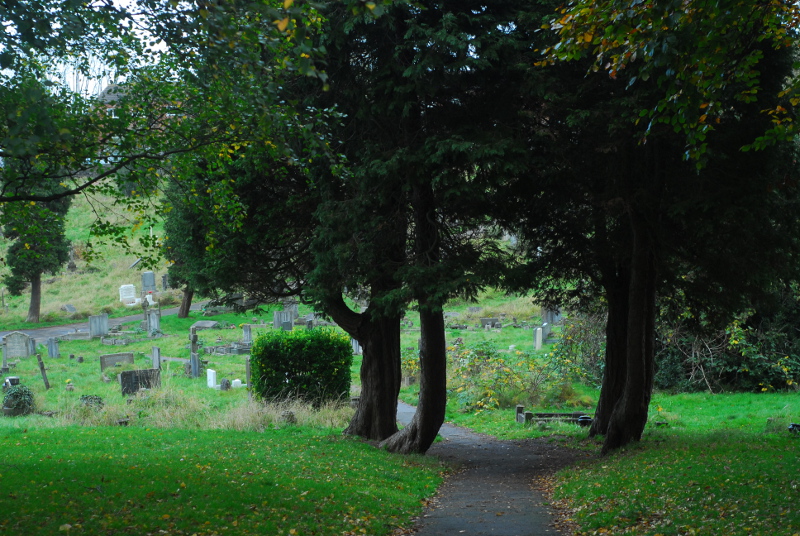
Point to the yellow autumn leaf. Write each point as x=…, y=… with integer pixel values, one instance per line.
x=588, y=37
x=282, y=24
x=287, y=4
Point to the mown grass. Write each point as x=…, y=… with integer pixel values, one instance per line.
x=291, y=480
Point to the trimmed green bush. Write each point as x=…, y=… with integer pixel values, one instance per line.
x=19, y=398
x=309, y=364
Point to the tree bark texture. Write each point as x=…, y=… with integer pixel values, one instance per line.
x=629, y=416
x=418, y=436
x=379, y=336
x=615, y=371
x=34, y=308
x=186, y=302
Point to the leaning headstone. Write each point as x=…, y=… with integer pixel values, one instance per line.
x=52, y=348
x=69, y=308
x=211, y=378
x=155, y=355
x=111, y=360
x=225, y=384
x=43, y=370
x=98, y=325
x=132, y=381
x=537, y=339
x=17, y=344
x=148, y=282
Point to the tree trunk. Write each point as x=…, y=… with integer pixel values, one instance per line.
x=186, y=302
x=630, y=413
x=379, y=337
x=615, y=371
x=418, y=436
x=376, y=414
x=36, y=299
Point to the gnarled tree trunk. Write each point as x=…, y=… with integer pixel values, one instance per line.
x=420, y=433
x=379, y=336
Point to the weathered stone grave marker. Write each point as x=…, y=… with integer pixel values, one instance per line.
x=211, y=378
x=194, y=358
x=165, y=282
x=52, y=348
x=98, y=325
x=18, y=344
x=537, y=339
x=112, y=360
x=148, y=282
x=247, y=334
x=131, y=381
x=69, y=308
x=155, y=356
x=287, y=326
x=127, y=295
x=43, y=371
x=356, y=346
x=279, y=318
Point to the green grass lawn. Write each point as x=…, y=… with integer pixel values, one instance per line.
x=133, y=480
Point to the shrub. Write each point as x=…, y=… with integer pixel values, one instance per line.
x=20, y=398
x=309, y=364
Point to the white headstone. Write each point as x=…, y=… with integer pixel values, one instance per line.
x=127, y=293
x=211, y=378
x=537, y=339
x=236, y=383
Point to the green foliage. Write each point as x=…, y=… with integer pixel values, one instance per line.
x=583, y=344
x=19, y=397
x=311, y=364
x=409, y=361
x=482, y=377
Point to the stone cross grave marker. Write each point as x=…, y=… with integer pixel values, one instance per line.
x=98, y=325
x=111, y=360
x=18, y=344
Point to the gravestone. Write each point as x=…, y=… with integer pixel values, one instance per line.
x=52, y=348
x=292, y=309
x=211, y=378
x=18, y=344
x=225, y=384
x=537, y=339
x=204, y=324
x=546, y=329
x=474, y=309
x=247, y=335
x=69, y=308
x=490, y=322
x=148, y=282
x=280, y=317
x=236, y=384
x=165, y=282
x=356, y=346
x=155, y=355
x=98, y=325
x=111, y=360
x=127, y=294
x=247, y=376
x=153, y=321
x=4, y=370
x=132, y=381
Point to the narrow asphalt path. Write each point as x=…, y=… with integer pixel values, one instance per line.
x=491, y=492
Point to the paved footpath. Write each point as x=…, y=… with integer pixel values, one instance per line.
x=492, y=494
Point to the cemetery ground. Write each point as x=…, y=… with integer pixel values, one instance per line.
x=194, y=460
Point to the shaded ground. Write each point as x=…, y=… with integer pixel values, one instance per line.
x=492, y=492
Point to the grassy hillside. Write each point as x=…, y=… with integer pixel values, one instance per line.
x=94, y=287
